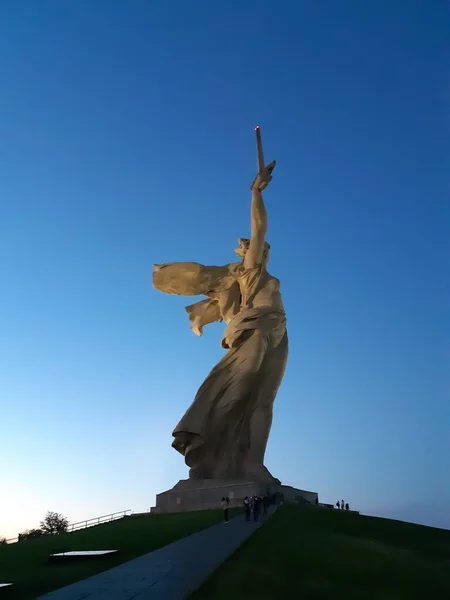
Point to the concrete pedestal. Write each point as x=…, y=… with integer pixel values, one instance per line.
x=206, y=494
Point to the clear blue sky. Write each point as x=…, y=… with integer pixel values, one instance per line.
x=126, y=139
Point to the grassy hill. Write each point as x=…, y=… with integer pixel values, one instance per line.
x=332, y=555
x=26, y=563
x=315, y=554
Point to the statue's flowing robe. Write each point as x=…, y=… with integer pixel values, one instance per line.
x=214, y=433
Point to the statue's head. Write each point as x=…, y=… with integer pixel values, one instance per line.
x=244, y=245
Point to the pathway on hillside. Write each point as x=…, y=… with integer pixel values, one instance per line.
x=170, y=573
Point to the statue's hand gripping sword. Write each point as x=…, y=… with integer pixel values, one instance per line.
x=264, y=176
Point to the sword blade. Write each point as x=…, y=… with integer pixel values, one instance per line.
x=259, y=151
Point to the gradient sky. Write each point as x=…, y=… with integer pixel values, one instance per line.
x=126, y=139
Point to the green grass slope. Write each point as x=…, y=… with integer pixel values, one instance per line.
x=319, y=554
x=26, y=563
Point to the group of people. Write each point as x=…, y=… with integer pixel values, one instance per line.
x=341, y=505
x=253, y=506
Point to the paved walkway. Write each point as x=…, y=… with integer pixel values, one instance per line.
x=170, y=573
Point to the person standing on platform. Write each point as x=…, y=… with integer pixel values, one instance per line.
x=256, y=508
x=225, y=504
x=247, y=508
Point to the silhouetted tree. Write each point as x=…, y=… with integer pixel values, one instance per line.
x=54, y=523
x=30, y=534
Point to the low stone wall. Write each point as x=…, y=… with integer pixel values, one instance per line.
x=207, y=494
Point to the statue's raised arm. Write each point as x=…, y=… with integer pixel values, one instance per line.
x=258, y=215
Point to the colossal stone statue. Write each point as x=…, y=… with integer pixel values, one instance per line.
x=224, y=433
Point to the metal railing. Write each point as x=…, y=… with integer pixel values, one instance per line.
x=98, y=520
x=89, y=522
x=12, y=540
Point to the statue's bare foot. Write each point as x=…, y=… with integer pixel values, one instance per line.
x=195, y=474
x=200, y=472
x=258, y=472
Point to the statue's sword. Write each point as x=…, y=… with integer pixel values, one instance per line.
x=259, y=151
x=263, y=170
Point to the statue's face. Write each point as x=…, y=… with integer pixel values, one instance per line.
x=243, y=247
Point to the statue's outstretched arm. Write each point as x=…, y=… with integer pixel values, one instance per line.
x=258, y=215
x=258, y=226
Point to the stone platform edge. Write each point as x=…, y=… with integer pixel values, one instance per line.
x=207, y=494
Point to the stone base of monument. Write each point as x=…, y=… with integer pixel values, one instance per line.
x=207, y=494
